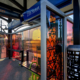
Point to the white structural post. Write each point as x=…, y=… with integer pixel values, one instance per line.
x=43, y=41
x=65, y=48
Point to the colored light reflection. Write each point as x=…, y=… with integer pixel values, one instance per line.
x=69, y=33
x=16, y=40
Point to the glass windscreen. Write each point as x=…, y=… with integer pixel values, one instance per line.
x=3, y=46
x=32, y=49
x=17, y=45
x=69, y=33
x=30, y=42
x=16, y=41
x=54, y=46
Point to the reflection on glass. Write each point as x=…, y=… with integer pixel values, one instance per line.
x=3, y=46
x=54, y=47
x=30, y=42
x=16, y=45
x=69, y=33
x=26, y=40
x=32, y=49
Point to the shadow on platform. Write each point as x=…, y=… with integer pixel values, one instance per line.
x=11, y=70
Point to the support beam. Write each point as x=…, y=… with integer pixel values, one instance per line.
x=9, y=20
x=1, y=25
x=17, y=4
x=65, y=47
x=9, y=40
x=69, y=13
x=10, y=8
x=63, y=4
x=3, y=18
x=10, y=44
x=25, y=4
x=43, y=42
x=76, y=28
x=37, y=0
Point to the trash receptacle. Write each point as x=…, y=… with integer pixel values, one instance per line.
x=73, y=62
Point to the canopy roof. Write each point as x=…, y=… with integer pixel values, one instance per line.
x=34, y=11
x=19, y=6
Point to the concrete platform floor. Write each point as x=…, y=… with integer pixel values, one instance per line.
x=11, y=70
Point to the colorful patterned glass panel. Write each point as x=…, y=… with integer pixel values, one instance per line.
x=54, y=46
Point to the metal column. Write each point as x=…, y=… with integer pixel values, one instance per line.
x=76, y=28
x=10, y=40
x=43, y=41
x=65, y=47
x=10, y=43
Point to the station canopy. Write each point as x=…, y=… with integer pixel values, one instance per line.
x=12, y=8
x=35, y=10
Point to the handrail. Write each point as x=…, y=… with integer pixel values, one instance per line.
x=32, y=63
x=32, y=76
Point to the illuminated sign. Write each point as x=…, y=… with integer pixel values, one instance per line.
x=32, y=11
x=35, y=10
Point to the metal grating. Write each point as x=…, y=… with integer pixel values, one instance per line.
x=73, y=65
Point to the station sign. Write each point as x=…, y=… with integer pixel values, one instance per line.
x=35, y=10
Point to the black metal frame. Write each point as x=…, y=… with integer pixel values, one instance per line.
x=71, y=66
x=10, y=8
x=17, y=4
x=76, y=28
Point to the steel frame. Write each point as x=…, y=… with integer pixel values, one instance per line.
x=44, y=5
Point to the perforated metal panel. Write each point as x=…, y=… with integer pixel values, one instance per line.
x=73, y=64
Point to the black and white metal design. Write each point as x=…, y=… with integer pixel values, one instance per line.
x=73, y=65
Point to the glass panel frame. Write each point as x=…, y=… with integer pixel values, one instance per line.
x=54, y=46
x=44, y=6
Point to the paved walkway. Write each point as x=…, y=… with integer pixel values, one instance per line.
x=11, y=70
